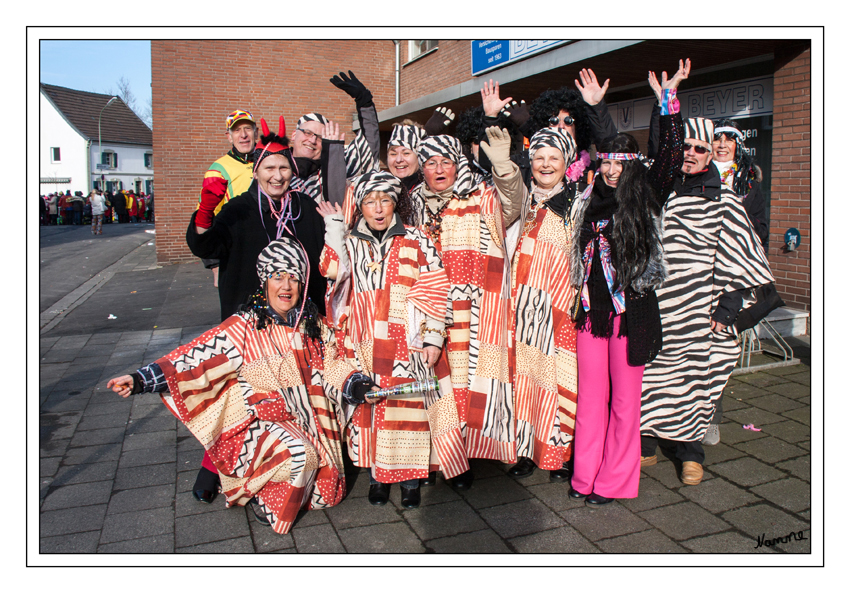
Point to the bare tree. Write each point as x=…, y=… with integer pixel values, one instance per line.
x=125, y=93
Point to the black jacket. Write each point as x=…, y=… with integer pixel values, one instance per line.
x=238, y=236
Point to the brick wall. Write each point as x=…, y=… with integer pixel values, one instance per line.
x=195, y=84
x=791, y=175
x=449, y=65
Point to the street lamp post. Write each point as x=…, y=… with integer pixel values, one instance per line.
x=99, y=144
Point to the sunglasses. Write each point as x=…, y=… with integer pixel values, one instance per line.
x=696, y=149
x=554, y=121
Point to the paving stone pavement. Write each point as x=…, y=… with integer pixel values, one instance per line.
x=116, y=474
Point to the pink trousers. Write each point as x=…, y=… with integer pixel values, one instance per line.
x=607, y=440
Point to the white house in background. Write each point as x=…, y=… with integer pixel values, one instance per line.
x=70, y=158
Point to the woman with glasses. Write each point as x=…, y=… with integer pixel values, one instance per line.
x=467, y=225
x=265, y=393
x=387, y=298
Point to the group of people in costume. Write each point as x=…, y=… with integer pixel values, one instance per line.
x=475, y=299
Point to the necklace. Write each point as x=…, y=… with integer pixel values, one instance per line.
x=376, y=264
x=539, y=198
x=434, y=225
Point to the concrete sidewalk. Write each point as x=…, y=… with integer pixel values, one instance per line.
x=116, y=474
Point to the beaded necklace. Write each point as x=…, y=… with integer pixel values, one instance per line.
x=434, y=224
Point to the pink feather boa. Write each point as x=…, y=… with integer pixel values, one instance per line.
x=575, y=171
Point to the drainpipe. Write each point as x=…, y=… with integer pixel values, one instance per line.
x=397, y=72
x=88, y=164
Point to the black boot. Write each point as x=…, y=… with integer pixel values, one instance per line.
x=525, y=467
x=206, y=486
x=464, y=480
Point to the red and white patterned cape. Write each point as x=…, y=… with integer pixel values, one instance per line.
x=268, y=414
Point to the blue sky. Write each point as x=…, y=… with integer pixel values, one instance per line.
x=95, y=66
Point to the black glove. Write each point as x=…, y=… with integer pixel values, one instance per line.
x=354, y=88
x=517, y=112
x=438, y=123
x=359, y=385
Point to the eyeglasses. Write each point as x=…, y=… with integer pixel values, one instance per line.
x=445, y=164
x=310, y=135
x=696, y=149
x=555, y=120
x=281, y=276
x=385, y=203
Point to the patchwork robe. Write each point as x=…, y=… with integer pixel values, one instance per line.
x=380, y=295
x=472, y=246
x=544, y=368
x=267, y=412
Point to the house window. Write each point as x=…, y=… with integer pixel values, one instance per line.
x=110, y=159
x=420, y=46
x=149, y=160
x=55, y=155
x=149, y=186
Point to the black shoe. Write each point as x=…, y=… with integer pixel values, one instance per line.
x=561, y=475
x=430, y=480
x=575, y=494
x=410, y=497
x=379, y=494
x=464, y=480
x=594, y=500
x=206, y=486
x=261, y=517
x=525, y=467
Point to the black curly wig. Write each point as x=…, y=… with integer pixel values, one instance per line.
x=468, y=126
x=550, y=102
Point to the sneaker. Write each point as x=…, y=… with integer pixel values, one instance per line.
x=712, y=435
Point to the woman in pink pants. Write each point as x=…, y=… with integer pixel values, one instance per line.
x=617, y=262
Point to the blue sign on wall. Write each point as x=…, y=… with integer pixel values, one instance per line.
x=489, y=53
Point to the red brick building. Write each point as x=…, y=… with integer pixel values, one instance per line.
x=764, y=84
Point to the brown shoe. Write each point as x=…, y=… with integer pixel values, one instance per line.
x=647, y=461
x=691, y=473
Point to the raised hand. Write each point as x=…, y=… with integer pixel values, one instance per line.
x=589, y=87
x=517, y=112
x=655, y=85
x=326, y=209
x=680, y=75
x=497, y=147
x=353, y=88
x=331, y=132
x=490, y=99
x=438, y=123
x=122, y=385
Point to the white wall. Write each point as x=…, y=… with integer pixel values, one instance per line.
x=54, y=131
x=131, y=164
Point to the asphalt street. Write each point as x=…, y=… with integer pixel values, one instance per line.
x=115, y=474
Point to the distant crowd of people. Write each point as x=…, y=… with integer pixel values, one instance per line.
x=123, y=206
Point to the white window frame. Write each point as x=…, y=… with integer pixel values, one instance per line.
x=112, y=158
x=415, y=47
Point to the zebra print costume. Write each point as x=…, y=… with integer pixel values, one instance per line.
x=711, y=249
